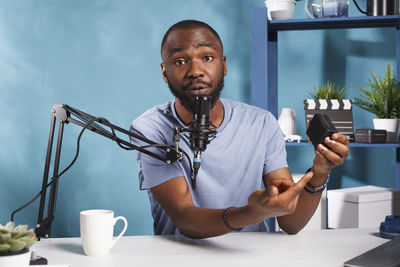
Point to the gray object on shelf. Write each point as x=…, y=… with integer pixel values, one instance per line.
x=370, y=136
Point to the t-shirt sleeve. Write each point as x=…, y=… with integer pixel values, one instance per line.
x=275, y=155
x=152, y=171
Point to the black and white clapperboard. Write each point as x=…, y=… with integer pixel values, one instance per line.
x=339, y=111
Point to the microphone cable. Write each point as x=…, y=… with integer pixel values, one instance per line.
x=90, y=122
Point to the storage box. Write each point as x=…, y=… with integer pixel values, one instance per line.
x=361, y=207
x=370, y=136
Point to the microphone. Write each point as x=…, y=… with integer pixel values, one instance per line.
x=200, y=131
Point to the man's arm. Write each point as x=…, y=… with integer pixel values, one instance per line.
x=328, y=156
x=306, y=203
x=175, y=197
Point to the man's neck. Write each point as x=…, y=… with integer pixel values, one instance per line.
x=216, y=113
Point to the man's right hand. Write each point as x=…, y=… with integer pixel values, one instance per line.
x=278, y=199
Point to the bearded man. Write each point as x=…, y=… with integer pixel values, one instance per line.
x=247, y=152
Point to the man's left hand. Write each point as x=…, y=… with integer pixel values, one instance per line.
x=331, y=154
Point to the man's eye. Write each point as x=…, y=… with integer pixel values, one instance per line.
x=179, y=62
x=208, y=58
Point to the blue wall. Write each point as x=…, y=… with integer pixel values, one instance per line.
x=103, y=57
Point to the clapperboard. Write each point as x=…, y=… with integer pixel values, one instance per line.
x=339, y=111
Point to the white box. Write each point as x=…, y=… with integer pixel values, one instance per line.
x=361, y=207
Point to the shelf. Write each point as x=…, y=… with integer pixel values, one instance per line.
x=264, y=59
x=334, y=23
x=352, y=144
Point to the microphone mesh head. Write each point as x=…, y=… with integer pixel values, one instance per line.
x=199, y=129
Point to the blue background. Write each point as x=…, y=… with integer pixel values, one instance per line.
x=103, y=57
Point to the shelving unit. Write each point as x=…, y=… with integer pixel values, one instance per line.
x=264, y=58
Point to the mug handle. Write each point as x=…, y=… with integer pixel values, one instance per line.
x=123, y=230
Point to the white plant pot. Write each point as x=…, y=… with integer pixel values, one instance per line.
x=20, y=260
x=280, y=9
x=391, y=126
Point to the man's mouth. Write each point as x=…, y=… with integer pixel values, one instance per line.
x=199, y=91
x=198, y=88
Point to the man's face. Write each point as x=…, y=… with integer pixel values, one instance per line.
x=193, y=63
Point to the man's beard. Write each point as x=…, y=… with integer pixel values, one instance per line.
x=187, y=102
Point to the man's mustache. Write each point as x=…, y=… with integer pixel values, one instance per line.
x=196, y=81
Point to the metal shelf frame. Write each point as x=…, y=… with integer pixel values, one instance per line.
x=264, y=57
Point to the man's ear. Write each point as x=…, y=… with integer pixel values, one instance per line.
x=163, y=71
x=224, y=62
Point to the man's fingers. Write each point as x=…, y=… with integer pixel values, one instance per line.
x=335, y=154
x=294, y=190
x=341, y=138
x=335, y=146
x=270, y=192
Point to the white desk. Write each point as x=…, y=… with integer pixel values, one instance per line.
x=308, y=248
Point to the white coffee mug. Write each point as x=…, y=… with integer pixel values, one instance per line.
x=97, y=230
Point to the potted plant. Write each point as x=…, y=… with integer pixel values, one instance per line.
x=382, y=98
x=14, y=245
x=330, y=99
x=280, y=9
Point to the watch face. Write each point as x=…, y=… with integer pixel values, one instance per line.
x=314, y=8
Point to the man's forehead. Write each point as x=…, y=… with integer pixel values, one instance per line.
x=181, y=39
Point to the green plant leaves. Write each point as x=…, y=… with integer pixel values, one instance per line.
x=13, y=239
x=16, y=245
x=382, y=98
x=328, y=91
x=4, y=248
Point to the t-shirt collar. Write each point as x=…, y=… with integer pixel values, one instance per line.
x=224, y=120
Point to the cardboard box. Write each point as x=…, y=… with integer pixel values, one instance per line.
x=361, y=207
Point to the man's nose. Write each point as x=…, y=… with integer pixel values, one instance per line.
x=195, y=70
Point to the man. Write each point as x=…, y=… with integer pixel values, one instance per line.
x=248, y=150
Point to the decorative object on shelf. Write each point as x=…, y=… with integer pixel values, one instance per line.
x=390, y=228
x=378, y=7
x=383, y=99
x=329, y=99
x=314, y=8
x=280, y=9
x=370, y=136
x=335, y=8
x=15, y=242
x=293, y=138
x=287, y=121
x=327, y=8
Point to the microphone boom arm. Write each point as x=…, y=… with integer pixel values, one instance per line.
x=63, y=113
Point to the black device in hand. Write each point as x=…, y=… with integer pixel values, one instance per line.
x=320, y=127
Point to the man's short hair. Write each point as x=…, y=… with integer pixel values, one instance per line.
x=188, y=25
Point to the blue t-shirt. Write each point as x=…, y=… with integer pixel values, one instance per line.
x=248, y=144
